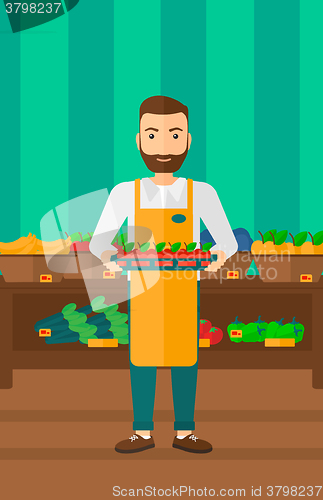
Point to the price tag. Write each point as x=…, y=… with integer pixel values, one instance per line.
x=279, y=342
x=103, y=343
x=204, y=342
x=46, y=278
x=233, y=275
x=236, y=333
x=45, y=332
x=108, y=275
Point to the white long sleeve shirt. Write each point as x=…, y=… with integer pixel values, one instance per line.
x=206, y=206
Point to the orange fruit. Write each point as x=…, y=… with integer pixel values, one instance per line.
x=307, y=248
x=318, y=249
x=282, y=249
x=291, y=249
x=257, y=247
x=269, y=248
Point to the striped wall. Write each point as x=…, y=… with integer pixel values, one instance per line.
x=250, y=73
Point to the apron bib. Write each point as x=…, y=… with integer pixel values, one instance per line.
x=163, y=313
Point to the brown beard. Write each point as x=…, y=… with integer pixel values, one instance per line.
x=163, y=167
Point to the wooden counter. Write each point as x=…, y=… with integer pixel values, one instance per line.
x=22, y=304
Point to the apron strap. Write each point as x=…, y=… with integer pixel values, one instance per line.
x=137, y=196
x=190, y=195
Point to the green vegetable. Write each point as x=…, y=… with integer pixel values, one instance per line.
x=112, y=308
x=273, y=329
x=97, y=302
x=124, y=340
x=90, y=330
x=145, y=246
x=298, y=330
x=254, y=332
x=280, y=237
x=293, y=330
x=68, y=309
x=71, y=317
x=79, y=319
x=119, y=331
x=191, y=247
x=318, y=238
x=118, y=320
x=81, y=329
x=176, y=246
x=207, y=246
x=160, y=247
x=300, y=238
x=103, y=310
x=268, y=237
x=249, y=333
x=235, y=325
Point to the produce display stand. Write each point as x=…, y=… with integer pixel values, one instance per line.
x=22, y=304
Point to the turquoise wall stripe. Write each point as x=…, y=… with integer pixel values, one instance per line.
x=311, y=103
x=277, y=115
x=230, y=107
x=91, y=106
x=9, y=130
x=44, y=122
x=136, y=77
x=183, y=72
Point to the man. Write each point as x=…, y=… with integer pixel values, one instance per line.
x=164, y=313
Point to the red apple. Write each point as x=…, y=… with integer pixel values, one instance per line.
x=198, y=254
x=81, y=246
x=180, y=254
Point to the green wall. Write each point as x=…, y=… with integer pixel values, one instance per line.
x=250, y=73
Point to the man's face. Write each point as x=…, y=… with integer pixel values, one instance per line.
x=163, y=141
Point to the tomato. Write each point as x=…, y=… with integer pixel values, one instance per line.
x=205, y=326
x=215, y=335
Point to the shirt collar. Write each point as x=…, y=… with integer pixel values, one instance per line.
x=174, y=190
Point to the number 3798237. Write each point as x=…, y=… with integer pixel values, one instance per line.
x=33, y=8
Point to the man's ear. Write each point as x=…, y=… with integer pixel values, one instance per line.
x=189, y=140
x=138, y=141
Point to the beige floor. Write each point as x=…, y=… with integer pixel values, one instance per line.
x=59, y=428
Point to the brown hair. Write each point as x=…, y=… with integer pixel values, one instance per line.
x=162, y=105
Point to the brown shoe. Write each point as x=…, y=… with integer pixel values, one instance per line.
x=192, y=444
x=135, y=444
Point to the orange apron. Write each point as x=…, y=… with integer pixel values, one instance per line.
x=163, y=304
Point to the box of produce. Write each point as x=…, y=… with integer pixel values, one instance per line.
x=80, y=263
x=273, y=334
x=297, y=261
x=236, y=267
x=160, y=258
x=26, y=259
x=94, y=321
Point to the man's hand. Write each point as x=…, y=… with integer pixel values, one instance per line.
x=215, y=265
x=106, y=261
